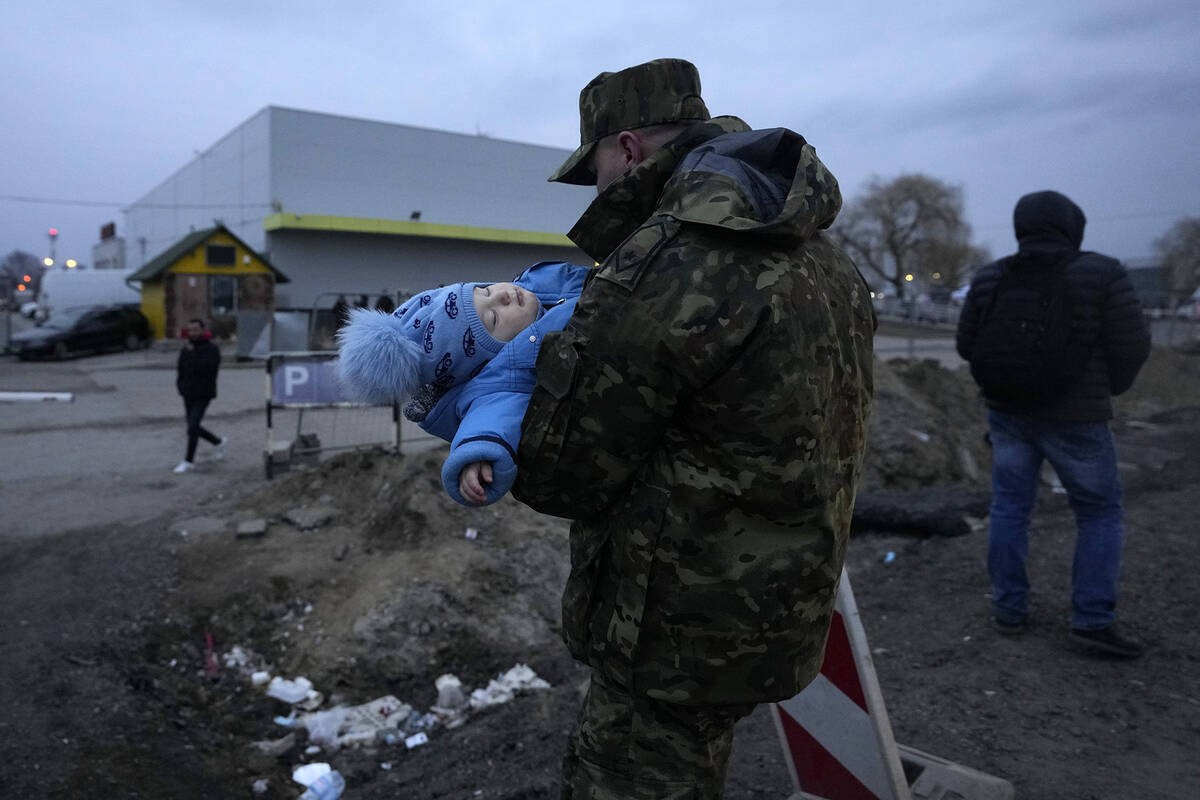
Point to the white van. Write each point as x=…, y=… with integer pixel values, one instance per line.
x=67, y=288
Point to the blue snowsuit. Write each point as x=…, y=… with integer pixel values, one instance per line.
x=481, y=418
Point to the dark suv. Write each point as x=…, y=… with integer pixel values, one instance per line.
x=84, y=329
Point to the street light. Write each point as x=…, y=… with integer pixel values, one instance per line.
x=72, y=263
x=48, y=261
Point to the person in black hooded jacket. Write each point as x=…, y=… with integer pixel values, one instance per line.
x=1070, y=430
x=196, y=382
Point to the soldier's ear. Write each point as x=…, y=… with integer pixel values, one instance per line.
x=632, y=148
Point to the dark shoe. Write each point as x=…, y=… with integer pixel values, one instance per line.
x=1008, y=628
x=1106, y=640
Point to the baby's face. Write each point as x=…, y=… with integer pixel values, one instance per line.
x=505, y=309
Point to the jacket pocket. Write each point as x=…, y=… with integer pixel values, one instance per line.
x=589, y=549
x=621, y=577
x=543, y=429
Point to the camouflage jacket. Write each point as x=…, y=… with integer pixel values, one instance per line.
x=702, y=419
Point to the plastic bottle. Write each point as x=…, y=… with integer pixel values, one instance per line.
x=327, y=787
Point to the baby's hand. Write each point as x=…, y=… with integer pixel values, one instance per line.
x=472, y=479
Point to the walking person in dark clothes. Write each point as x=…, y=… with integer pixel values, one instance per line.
x=1069, y=426
x=196, y=380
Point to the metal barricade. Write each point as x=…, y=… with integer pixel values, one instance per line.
x=306, y=384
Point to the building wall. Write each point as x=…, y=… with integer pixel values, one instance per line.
x=184, y=290
x=339, y=166
x=229, y=181
x=288, y=161
x=109, y=254
x=330, y=263
x=155, y=308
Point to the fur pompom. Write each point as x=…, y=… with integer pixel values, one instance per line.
x=378, y=362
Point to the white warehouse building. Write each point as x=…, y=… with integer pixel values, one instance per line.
x=350, y=206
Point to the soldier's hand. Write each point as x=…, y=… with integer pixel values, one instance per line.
x=472, y=479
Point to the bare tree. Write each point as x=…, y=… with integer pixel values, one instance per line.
x=912, y=225
x=1179, y=249
x=13, y=269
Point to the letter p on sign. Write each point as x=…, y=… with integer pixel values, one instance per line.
x=294, y=375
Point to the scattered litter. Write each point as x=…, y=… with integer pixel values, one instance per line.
x=260, y=678
x=307, y=774
x=312, y=702
x=881, y=651
x=312, y=750
x=323, y=726
x=327, y=787
x=450, y=692
x=989, y=693
x=237, y=657
x=416, y=740
x=290, y=691
x=277, y=747
x=924, y=437
x=356, y=725
x=451, y=707
x=289, y=721
x=420, y=722
x=261, y=785
x=385, y=765
x=967, y=638
x=501, y=690
x=889, y=557
x=210, y=656
x=472, y=533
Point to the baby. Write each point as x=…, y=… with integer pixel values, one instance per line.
x=463, y=355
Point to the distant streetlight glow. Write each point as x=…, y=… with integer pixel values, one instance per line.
x=48, y=261
x=71, y=263
x=27, y=278
x=908, y=277
x=20, y=287
x=937, y=276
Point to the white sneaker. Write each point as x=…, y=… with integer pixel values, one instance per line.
x=184, y=466
x=219, y=449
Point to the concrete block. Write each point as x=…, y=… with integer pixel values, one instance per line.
x=252, y=529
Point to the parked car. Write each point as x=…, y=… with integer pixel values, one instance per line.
x=84, y=329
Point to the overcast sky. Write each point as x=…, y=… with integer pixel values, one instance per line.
x=1099, y=99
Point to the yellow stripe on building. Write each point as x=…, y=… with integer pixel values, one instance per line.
x=320, y=222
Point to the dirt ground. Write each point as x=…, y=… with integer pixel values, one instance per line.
x=366, y=583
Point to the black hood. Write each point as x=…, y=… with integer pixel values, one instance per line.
x=1048, y=221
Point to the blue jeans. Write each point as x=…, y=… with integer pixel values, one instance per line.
x=1082, y=454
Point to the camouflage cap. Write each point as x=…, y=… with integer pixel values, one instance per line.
x=659, y=91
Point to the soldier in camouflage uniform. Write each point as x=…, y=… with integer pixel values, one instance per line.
x=702, y=419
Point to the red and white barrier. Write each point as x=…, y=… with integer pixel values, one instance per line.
x=837, y=739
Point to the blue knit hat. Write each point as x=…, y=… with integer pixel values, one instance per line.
x=436, y=338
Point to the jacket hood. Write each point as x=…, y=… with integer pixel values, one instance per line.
x=718, y=173
x=1047, y=221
